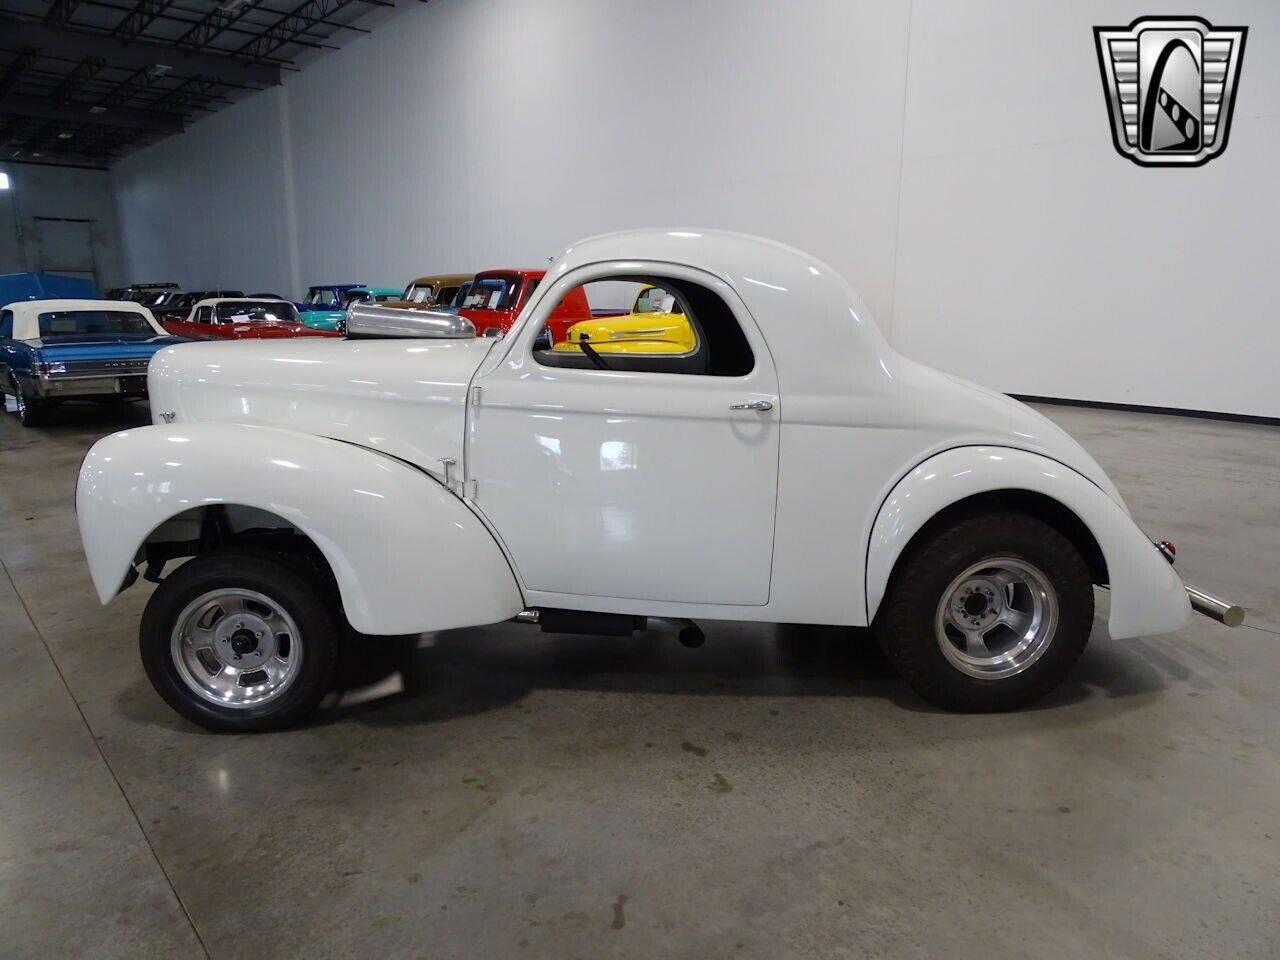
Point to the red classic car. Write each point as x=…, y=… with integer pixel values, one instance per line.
x=243, y=319
x=496, y=297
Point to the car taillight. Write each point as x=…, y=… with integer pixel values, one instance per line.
x=1167, y=548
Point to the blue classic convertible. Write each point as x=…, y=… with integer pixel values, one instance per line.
x=55, y=350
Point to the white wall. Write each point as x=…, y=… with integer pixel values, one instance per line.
x=1034, y=259
x=207, y=209
x=953, y=160
x=37, y=193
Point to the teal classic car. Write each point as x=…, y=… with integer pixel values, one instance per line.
x=332, y=319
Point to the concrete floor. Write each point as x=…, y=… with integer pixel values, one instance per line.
x=777, y=793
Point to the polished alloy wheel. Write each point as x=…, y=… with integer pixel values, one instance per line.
x=236, y=648
x=996, y=618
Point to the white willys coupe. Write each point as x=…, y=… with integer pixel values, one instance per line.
x=791, y=467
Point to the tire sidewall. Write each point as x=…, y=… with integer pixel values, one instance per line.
x=286, y=582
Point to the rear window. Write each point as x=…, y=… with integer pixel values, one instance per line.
x=249, y=311
x=70, y=323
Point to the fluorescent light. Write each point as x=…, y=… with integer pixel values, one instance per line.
x=4, y=181
x=64, y=135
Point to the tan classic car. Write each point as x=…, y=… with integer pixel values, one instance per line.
x=437, y=290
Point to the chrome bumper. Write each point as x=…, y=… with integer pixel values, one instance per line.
x=52, y=386
x=1230, y=614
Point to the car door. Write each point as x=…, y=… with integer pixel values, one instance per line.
x=630, y=484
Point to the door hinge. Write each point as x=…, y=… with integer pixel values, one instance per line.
x=475, y=396
x=468, y=490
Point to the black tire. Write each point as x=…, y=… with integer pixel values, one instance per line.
x=31, y=412
x=907, y=630
x=291, y=584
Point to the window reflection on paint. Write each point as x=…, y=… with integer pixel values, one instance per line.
x=617, y=455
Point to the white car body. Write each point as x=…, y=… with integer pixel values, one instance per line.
x=458, y=482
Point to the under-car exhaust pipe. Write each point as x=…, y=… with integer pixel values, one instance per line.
x=1231, y=614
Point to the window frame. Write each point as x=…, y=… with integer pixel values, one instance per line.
x=520, y=340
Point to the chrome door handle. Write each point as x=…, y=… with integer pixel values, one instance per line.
x=760, y=405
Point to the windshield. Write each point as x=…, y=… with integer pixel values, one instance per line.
x=322, y=297
x=418, y=294
x=491, y=293
x=70, y=323
x=255, y=311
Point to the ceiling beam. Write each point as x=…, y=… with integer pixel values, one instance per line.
x=290, y=27
x=23, y=62
x=137, y=53
x=44, y=108
x=61, y=11
x=140, y=17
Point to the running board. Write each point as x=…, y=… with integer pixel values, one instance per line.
x=554, y=620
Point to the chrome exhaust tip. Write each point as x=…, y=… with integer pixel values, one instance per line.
x=1230, y=614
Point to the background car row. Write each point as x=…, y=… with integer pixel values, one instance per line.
x=59, y=342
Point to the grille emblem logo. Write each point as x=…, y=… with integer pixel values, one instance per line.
x=1170, y=84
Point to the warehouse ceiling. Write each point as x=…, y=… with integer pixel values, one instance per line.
x=87, y=81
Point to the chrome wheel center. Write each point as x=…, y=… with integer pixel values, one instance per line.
x=996, y=618
x=236, y=648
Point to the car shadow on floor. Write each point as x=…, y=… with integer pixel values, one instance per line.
x=90, y=417
x=461, y=672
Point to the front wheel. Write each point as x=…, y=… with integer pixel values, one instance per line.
x=989, y=614
x=240, y=640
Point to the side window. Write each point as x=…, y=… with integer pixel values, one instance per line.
x=6, y=324
x=646, y=324
x=204, y=315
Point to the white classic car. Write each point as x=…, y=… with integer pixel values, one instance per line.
x=791, y=468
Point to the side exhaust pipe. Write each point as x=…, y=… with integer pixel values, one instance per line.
x=1230, y=614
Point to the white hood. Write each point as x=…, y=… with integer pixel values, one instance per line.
x=406, y=398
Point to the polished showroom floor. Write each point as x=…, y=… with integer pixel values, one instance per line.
x=776, y=793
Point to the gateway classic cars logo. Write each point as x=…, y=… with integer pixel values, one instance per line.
x=1170, y=84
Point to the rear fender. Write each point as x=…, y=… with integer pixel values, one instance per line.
x=1146, y=595
x=408, y=556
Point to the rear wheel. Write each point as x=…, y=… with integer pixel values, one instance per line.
x=240, y=640
x=31, y=412
x=988, y=615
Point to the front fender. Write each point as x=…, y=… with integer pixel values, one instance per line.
x=1146, y=595
x=408, y=556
